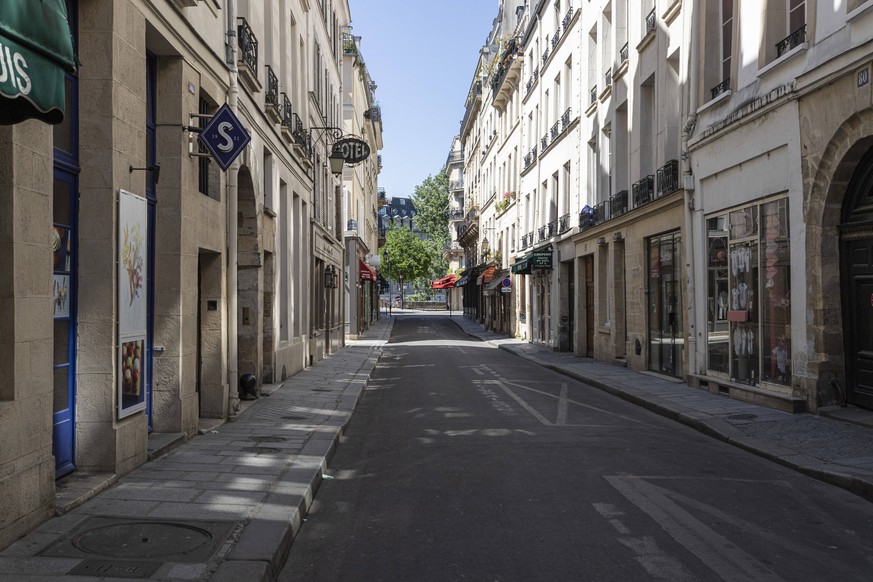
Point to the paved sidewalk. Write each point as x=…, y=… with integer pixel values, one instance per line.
x=835, y=446
x=222, y=506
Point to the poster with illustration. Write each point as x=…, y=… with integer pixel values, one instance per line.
x=132, y=302
x=61, y=294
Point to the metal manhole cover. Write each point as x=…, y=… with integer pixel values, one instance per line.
x=261, y=450
x=267, y=439
x=125, y=540
x=144, y=539
x=113, y=569
x=743, y=416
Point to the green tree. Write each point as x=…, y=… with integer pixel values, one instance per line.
x=405, y=257
x=431, y=200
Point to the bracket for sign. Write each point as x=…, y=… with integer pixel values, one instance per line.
x=193, y=132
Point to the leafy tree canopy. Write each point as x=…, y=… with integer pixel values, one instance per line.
x=405, y=257
x=431, y=200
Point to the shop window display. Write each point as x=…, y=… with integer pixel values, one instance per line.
x=748, y=292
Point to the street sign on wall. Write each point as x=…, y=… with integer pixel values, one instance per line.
x=224, y=137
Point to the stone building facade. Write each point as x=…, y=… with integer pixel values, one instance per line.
x=169, y=287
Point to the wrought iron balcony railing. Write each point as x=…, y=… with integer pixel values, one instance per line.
x=556, y=129
x=600, y=213
x=546, y=54
x=542, y=233
x=248, y=45
x=564, y=224
x=287, y=113
x=456, y=185
x=644, y=190
x=271, y=96
x=608, y=77
x=592, y=95
x=624, y=53
x=544, y=141
x=567, y=18
x=528, y=159
x=556, y=38
x=650, y=22
x=618, y=204
x=565, y=119
x=791, y=41
x=668, y=178
x=721, y=87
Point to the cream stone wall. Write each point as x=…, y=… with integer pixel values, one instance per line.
x=27, y=466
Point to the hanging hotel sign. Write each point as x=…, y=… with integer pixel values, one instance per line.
x=35, y=50
x=354, y=150
x=224, y=137
x=541, y=259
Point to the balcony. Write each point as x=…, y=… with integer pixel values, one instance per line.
x=556, y=38
x=542, y=233
x=668, y=178
x=608, y=77
x=287, y=118
x=455, y=214
x=527, y=241
x=567, y=18
x=505, y=78
x=592, y=95
x=272, y=105
x=473, y=102
x=565, y=119
x=722, y=87
x=624, y=53
x=455, y=157
x=248, y=55
x=618, y=204
x=651, y=20
x=555, y=131
x=546, y=54
x=586, y=217
x=791, y=41
x=643, y=191
x=350, y=47
x=532, y=80
x=564, y=224
x=600, y=212
x=455, y=185
x=302, y=139
x=544, y=142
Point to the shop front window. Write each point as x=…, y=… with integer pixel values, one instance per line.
x=748, y=294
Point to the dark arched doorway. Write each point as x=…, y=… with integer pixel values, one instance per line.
x=250, y=279
x=856, y=265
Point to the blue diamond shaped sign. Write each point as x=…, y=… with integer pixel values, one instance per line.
x=225, y=137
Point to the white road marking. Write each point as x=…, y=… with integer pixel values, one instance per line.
x=718, y=553
x=533, y=412
x=562, y=406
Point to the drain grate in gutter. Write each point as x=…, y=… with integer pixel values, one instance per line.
x=115, y=569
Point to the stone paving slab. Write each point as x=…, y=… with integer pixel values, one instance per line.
x=259, y=473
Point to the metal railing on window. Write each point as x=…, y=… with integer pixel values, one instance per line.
x=600, y=212
x=721, y=88
x=556, y=38
x=564, y=224
x=552, y=228
x=528, y=159
x=565, y=119
x=608, y=77
x=544, y=141
x=791, y=41
x=248, y=45
x=586, y=217
x=624, y=53
x=546, y=54
x=287, y=114
x=650, y=22
x=643, y=190
x=618, y=204
x=668, y=178
x=593, y=95
x=566, y=22
x=271, y=96
x=542, y=233
x=556, y=129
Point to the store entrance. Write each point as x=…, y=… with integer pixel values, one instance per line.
x=665, y=310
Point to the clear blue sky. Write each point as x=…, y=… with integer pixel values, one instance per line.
x=422, y=55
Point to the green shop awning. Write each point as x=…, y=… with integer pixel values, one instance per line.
x=36, y=48
x=541, y=259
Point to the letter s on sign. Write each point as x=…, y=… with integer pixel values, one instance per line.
x=223, y=129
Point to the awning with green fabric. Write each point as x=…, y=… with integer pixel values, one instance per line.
x=36, y=48
x=521, y=266
x=540, y=259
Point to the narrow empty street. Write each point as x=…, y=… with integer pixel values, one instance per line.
x=466, y=462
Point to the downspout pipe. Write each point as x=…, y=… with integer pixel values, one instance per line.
x=232, y=210
x=692, y=204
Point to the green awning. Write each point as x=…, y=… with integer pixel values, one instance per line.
x=521, y=266
x=541, y=259
x=35, y=49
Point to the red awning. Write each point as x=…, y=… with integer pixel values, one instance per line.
x=367, y=274
x=446, y=282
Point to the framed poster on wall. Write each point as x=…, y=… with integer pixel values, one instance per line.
x=132, y=303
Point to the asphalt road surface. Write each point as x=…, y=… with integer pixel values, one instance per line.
x=465, y=462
